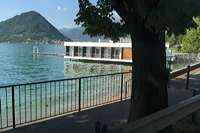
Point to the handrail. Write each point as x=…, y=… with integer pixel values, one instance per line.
x=32, y=101
x=161, y=119
x=61, y=79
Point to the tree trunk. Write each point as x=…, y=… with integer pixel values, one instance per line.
x=149, y=93
x=149, y=85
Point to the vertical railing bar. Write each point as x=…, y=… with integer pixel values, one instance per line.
x=63, y=95
x=189, y=59
x=46, y=105
x=67, y=94
x=112, y=83
x=114, y=88
x=102, y=89
x=59, y=98
x=184, y=59
x=116, y=97
x=0, y=113
x=79, y=108
x=87, y=92
x=109, y=88
x=25, y=101
x=55, y=99
x=71, y=92
x=20, y=105
x=90, y=92
x=93, y=90
x=30, y=105
x=105, y=88
x=6, y=89
x=96, y=88
x=83, y=93
x=108, y=79
x=75, y=94
x=99, y=89
x=13, y=106
x=50, y=98
x=112, y=93
x=40, y=100
x=118, y=87
x=36, y=101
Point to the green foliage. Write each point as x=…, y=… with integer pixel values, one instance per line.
x=174, y=40
x=99, y=20
x=173, y=16
x=191, y=41
x=29, y=27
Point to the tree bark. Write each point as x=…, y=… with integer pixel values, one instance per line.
x=149, y=93
x=149, y=84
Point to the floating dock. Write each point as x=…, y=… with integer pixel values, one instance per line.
x=60, y=55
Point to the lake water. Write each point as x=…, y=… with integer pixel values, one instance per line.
x=18, y=64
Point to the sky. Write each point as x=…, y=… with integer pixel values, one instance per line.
x=60, y=13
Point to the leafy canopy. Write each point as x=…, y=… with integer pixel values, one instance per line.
x=99, y=20
x=173, y=16
x=191, y=41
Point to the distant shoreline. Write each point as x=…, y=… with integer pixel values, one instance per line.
x=30, y=43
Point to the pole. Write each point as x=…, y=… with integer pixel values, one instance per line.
x=122, y=85
x=188, y=74
x=79, y=106
x=13, y=106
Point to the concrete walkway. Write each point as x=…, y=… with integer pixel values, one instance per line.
x=84, y=122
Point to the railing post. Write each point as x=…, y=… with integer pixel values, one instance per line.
x=122, y=86
x=188, y=74
x=126, y=90
x=13, y=106
x=189, y=59
x=79, y=96
x=195, y=115
x=184, y=59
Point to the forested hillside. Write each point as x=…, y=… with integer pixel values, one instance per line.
x=30, y=27
x=76, y=34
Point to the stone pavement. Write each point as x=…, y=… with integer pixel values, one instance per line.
x=84, y=121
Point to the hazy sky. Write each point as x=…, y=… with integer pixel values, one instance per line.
x=60, y=13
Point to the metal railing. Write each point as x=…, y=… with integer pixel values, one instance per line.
x=78, y=54
x=115, y=56
x=182, y=60
x=24, y=103
x=96, y=55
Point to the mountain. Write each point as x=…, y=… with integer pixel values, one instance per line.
x=76, y=34
x=30, y=27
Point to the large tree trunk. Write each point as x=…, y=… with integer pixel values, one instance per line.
x=149, y=93
x=149, y=84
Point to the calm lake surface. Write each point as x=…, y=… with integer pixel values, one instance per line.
x=18, y=64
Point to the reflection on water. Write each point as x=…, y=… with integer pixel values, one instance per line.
x=88, y=68
x=20, y=65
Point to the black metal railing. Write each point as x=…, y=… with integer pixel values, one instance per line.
x=24, y=103
x=182, y=60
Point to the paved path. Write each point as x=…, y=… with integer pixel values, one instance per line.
x=84, y=122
